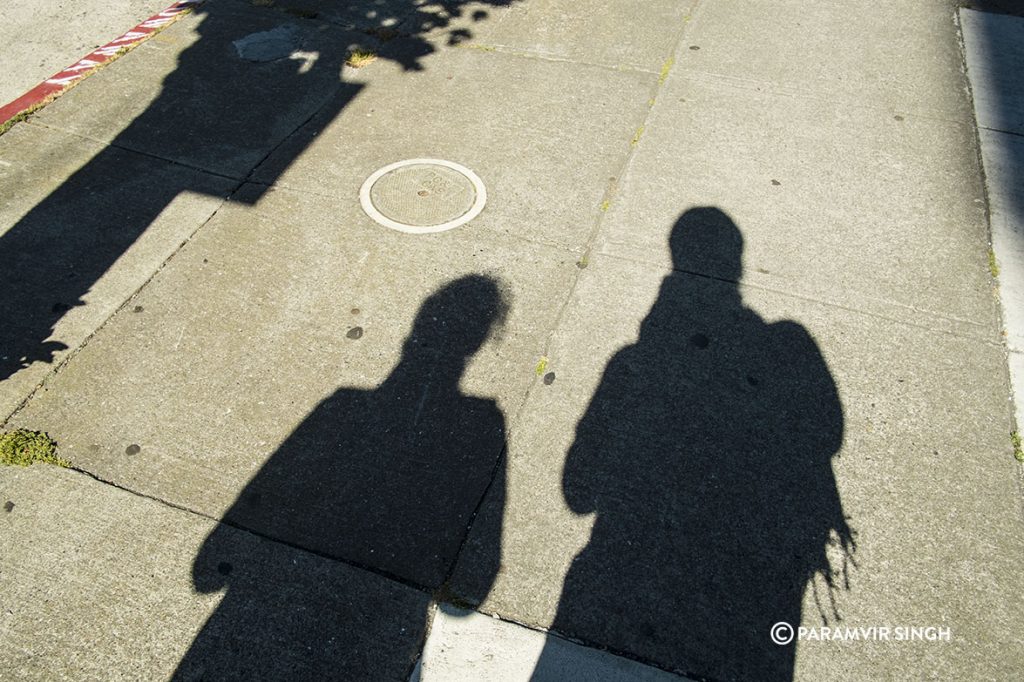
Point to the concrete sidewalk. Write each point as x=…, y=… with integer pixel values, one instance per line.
x=722, y=351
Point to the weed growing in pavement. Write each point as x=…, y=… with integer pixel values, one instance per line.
x=357, y=59
x=22, y=447
x=665, y=68
x=636, y=136
x=10, y=123
x=993, y=264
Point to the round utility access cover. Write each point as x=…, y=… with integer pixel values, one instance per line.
x=420, y=196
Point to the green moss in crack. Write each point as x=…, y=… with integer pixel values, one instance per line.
x=22, y=447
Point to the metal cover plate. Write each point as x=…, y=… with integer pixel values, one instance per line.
x=421, y=196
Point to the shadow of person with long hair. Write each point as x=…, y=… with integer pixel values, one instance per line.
x=706, y=457
x=252, y=79
x=386, y=479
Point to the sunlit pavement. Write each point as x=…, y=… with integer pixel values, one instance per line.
x=714, y=385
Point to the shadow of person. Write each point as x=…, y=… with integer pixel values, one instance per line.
x=386, y=479
x=705, y=456
x=257, y=81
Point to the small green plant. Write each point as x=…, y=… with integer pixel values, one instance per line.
x=605, y=205
x=1018, y=453
x=993, y=264
x=665, y=68
x=357, y=59
x=542, y=365
x=23, y=447
x=636, y=136
x=11, y=122
x=24, y=116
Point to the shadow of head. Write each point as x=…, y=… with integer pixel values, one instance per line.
x=706, y=241
x=455, y=321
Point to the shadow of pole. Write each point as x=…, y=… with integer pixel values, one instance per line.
x=217, y=117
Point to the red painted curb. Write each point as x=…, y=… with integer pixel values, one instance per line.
x=55, y=85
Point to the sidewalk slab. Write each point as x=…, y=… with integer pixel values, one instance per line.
x=468, y=645
x=68, y=263
x=840, y=204
x=898, y=58
x=100, y=583
x=547, y=138
x=660, y=518
x=234, y=384
x=613, y=35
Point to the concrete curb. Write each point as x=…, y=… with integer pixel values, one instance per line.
x=992, y=65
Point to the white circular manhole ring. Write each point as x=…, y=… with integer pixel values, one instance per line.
x=421, y=196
